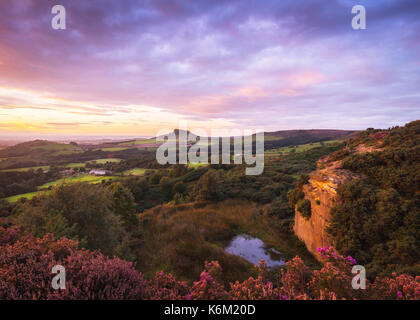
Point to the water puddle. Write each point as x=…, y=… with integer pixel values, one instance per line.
x=253, y=250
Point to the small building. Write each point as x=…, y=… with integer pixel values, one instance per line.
x=67, y=172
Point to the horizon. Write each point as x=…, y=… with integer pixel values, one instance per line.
x=118, y=138
x=135, y=68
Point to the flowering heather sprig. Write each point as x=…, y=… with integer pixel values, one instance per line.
x=295, y=279
x=166, y=287
x=25, y=272
x=333, y=280
x=401, y=287
x=255, y=289
x=208, y=288
x=10, y=235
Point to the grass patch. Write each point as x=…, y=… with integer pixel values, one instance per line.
x=54, y=146
x=57, y=148
x=80, y=178
x=103, y=161
x=196, y=165
x=28, y=196
x=135, y=172
x=45, y=168
x=301, y=147
x=75, y=165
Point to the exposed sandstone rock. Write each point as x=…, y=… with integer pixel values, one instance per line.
x=321, y=191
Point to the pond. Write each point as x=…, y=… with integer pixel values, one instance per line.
x=253, y=250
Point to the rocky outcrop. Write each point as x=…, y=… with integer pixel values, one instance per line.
x=321, y=191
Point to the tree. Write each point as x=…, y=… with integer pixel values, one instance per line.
x=86, y=211
x=123, y=204
x=139, y=187
x=208, y=187
x=180, y=187
x=166, y=187
x=178, y=170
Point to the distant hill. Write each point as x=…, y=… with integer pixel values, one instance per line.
x=36, y=147
x=316, y=133
x=35, y=153
x=287, y=138
x=42, y=152
x=188, y=134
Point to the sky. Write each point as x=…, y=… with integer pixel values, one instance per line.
x=132, y=68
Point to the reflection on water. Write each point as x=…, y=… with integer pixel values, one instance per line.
x=253, y=250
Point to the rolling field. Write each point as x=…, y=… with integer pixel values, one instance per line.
x=28, y=196
x=135, y=172
x=103, y=161
x=81, y=178
x=45, y=168
x=42, y=189
x=301, y=147
x=57, y=148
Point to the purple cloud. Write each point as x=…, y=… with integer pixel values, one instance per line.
x=268, y=64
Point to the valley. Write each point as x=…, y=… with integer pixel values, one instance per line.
x=176, y=218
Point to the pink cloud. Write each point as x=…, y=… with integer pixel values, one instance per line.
x=306, y=78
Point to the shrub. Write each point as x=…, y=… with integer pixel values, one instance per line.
x=123, y=204
x=180, y=187
x=304, y=207
x=79, y=211
x=207, y=187
x=294, y=196
x=26, y=264
x=255, y=289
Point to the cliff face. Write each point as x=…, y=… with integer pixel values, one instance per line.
x=321, y=191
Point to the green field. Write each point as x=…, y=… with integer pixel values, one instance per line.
x=196, y=165
x=81, y=178
x=103, y=161
x=301, y=147
x=28, y=196
x=75, y=165
x=135, y=172
x=57, y=148
x=45, y=168
x=98, y=161
x=66, y=152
